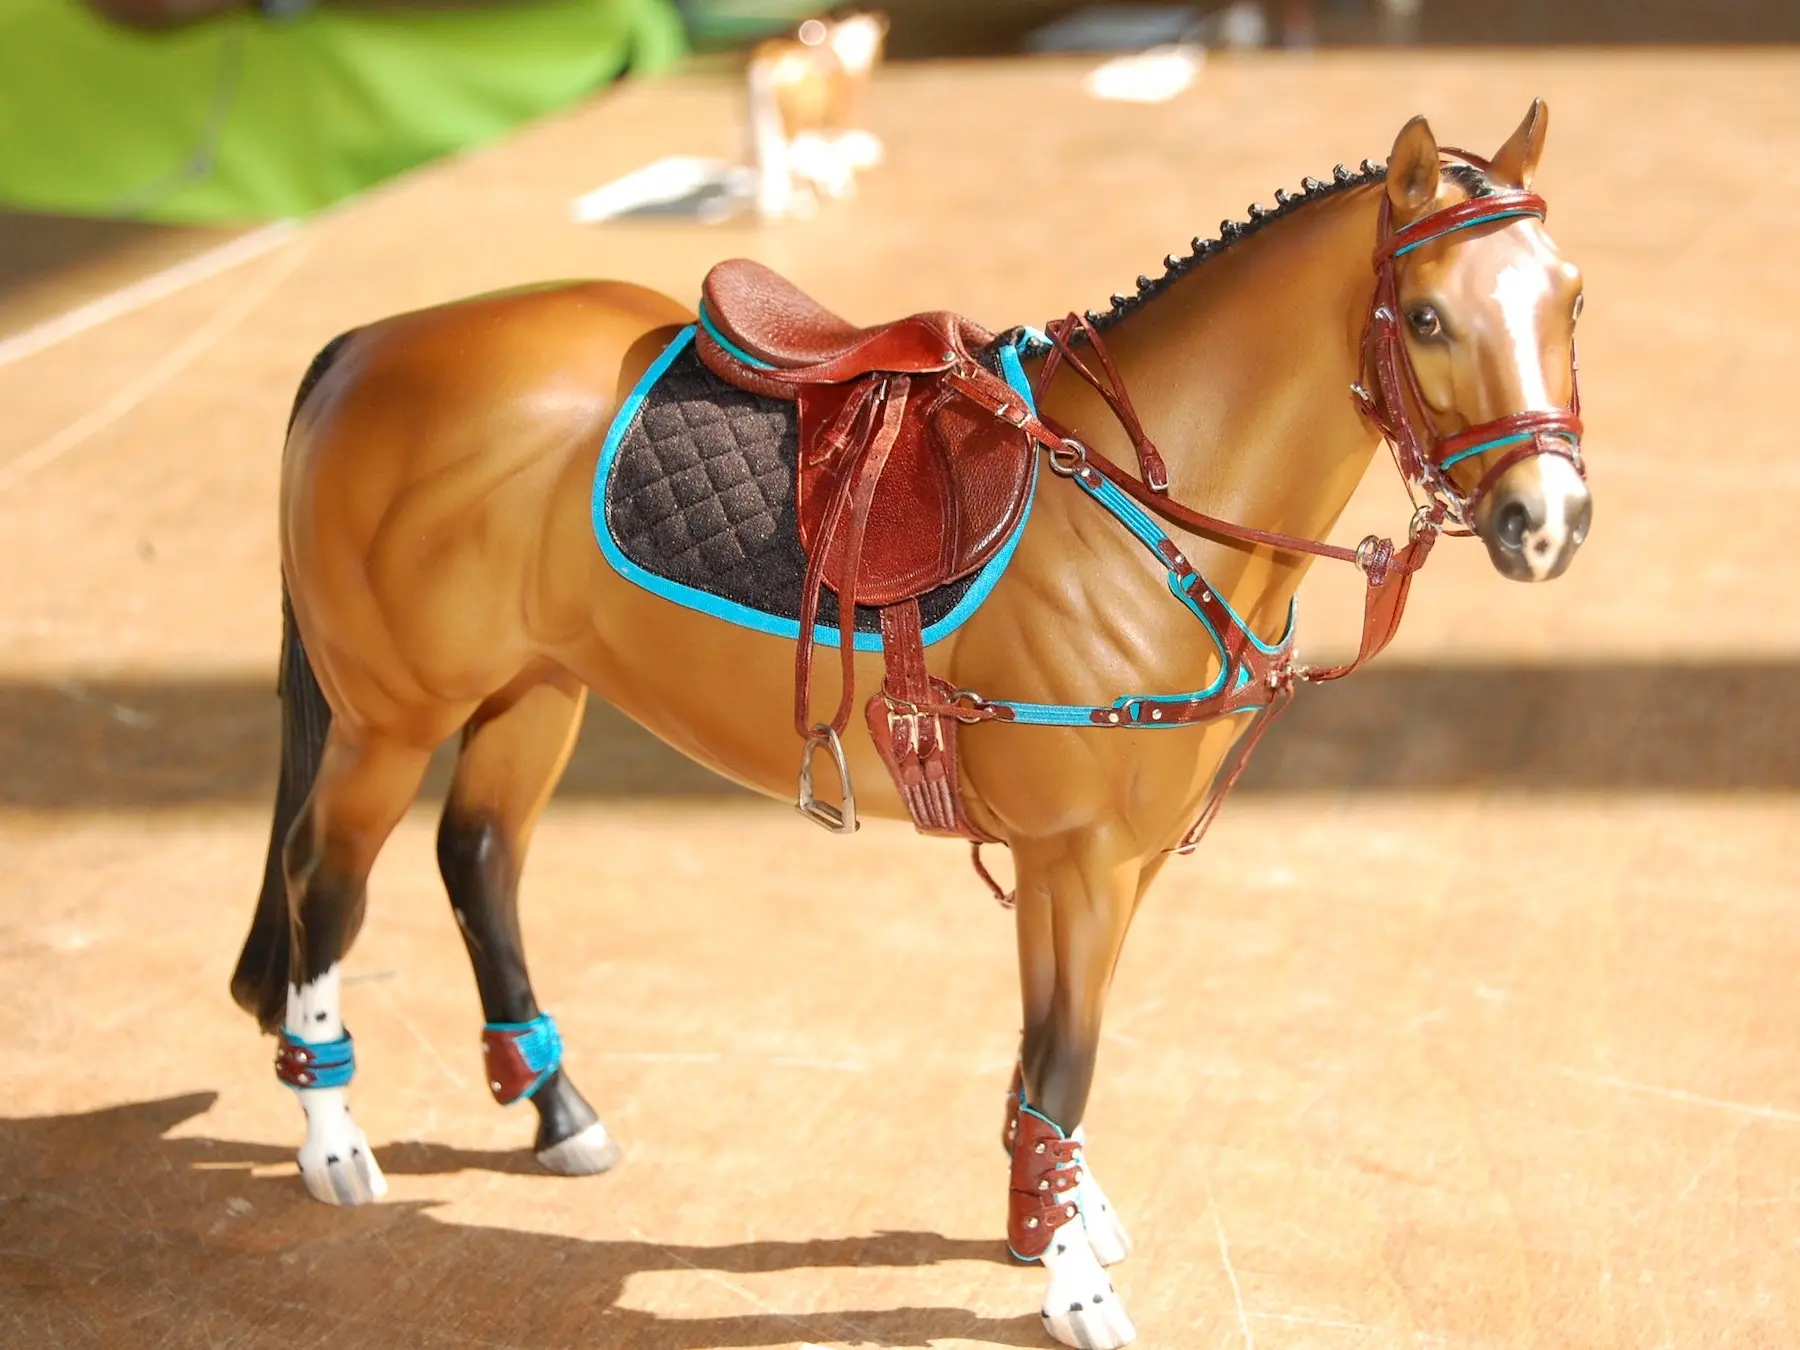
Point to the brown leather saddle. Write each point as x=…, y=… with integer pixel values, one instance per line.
x=913, y=472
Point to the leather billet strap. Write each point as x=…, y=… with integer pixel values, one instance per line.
x=880, y=405
x=918, y=746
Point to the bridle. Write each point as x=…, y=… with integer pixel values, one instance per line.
x=1395, y=405
x=1393, y=400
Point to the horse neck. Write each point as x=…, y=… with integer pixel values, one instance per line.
x=1241, y=372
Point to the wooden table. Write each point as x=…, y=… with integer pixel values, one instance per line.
x=1473, y=1024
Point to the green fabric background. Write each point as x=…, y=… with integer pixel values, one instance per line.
x=96, y=119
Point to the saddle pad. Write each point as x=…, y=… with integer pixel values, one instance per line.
x=694, y=501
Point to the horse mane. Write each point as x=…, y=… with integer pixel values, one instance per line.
x=1232, y=232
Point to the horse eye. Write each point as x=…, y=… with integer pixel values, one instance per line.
x=1424, y=321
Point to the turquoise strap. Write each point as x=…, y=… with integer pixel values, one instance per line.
x=326, y=1064
x=540, y=1046
x=1135, y=706
x=1498, y=442
x=1508, y=214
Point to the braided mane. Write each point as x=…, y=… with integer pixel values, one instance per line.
x=1234, y=232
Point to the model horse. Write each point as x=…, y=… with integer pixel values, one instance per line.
x=470, y=516
x=805, y=94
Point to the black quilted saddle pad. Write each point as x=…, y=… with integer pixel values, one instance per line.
x=696, y=502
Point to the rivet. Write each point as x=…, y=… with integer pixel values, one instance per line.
x=1043, y=1185
x=1070, y=1211
x=1112, y=717
x=494, y=1086
x=1156, y=714
x=1206, y=597
x=1039, y=1148
x=1031, y=1223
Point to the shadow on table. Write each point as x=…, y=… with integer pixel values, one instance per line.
x=113, y=1234
x=1609, y=728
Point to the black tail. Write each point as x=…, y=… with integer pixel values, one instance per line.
x=259, y=984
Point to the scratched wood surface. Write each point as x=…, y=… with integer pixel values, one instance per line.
x=1472, y=1026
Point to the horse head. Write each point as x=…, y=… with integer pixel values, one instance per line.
x=1480, y=394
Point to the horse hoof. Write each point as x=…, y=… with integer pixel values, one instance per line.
x=351, y=1179
x=335, y=1161
x=1103, y=1328
x=582, y=1155
x=1081, y=1308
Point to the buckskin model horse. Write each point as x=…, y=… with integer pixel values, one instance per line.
x=1051, y=670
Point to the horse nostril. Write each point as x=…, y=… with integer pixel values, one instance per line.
x=1583, y=519
x=1510, y=524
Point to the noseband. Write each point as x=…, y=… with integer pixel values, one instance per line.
x=1425, y=458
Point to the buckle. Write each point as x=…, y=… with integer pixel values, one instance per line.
x=838, y=821
x=1068, y=459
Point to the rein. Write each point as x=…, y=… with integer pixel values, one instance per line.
x=1397, y=408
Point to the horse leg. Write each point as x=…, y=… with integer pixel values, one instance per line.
x=363, y=788
x=513, y=751
x=1075, y=901
x=1105, y=1229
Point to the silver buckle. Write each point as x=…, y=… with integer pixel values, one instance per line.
x=838, y=821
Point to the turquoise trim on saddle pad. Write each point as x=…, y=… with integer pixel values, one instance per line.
x=745, y=616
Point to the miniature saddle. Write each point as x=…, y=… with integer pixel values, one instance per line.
x=953, y=480
x=914, y=469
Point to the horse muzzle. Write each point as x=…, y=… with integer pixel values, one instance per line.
x=1535, y=518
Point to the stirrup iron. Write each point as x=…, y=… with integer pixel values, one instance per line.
x=824, y=813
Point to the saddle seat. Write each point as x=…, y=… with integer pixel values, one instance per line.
x=773, y=321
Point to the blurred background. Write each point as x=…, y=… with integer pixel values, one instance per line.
x=136, y=132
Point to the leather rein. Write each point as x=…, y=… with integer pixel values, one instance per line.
x=1388, y=393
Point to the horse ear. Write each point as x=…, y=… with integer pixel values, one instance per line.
x=1517, y=160
x=1412, y=172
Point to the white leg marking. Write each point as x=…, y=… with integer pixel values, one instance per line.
x=335, y=1161
x=1105, y=1230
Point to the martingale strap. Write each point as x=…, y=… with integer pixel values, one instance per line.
x=314, y=1064
x=520, y=1056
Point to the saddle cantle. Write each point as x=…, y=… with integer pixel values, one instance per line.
x=913, y=472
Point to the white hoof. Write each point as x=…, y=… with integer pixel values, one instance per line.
x=1106, y=1234
x=335, y=1161
x=582, y=1155
x=1081, y=1308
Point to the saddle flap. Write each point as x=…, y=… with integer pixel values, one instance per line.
x=952, y=490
